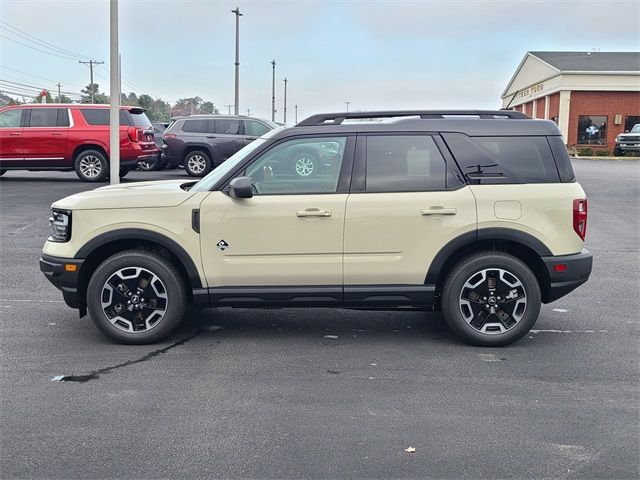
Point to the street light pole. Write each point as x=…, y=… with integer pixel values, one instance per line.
x=296, y=106
x=347, y=106
x=285, y=100
x=273, y=91
x=114, y=111
x=237, y=63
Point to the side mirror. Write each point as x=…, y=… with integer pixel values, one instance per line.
x=240, y=187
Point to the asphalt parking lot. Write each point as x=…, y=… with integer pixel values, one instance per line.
x=266, y=394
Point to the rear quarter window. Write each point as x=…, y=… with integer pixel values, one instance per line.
x=100, y=116
x=517, y=159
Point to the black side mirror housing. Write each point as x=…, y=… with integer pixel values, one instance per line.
x=240, y=187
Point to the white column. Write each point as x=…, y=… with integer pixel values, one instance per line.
x=547, y=102
x=534, y=108
x=114, y=81
x=563, y=120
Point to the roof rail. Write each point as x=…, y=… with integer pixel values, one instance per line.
x=338, y=118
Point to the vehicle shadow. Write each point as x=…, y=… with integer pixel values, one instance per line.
x=316, y=322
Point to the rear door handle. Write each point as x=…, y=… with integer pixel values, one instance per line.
x=14, y=134
x=313, y=212
x=438, y=211
x=210, y=136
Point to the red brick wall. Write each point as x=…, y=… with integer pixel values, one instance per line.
x=554, y=105
x=602, y=103
x=540, y=108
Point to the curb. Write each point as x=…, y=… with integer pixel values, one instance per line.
x=595, y=158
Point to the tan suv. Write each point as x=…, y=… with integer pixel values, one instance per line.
x=474, y=213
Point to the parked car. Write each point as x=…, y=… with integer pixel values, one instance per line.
x=481, y=218
x=628, y=142
x=202, y=142
x=150, y=164
x=66, y=137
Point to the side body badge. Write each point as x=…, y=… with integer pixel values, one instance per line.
x=222, y=245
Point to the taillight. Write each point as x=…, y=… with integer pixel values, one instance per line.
x=133, y=134
x=580, y=217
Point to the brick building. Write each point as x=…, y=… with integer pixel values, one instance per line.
x=592, y=96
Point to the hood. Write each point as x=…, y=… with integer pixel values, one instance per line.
x=158, y=194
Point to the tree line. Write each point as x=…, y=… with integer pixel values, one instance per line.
x=156, y=109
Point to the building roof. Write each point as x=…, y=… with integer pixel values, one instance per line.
x=591, y=61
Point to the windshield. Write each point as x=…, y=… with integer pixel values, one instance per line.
x=636, y=128
x=210, y=180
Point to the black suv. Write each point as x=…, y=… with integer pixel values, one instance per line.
x=202, y=142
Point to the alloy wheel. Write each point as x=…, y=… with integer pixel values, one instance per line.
x=134, y=299
x=90, y=166
x=304, y=166
x=197, y=164
x=493, y=301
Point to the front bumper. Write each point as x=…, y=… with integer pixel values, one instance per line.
x=566, y=273
x=628, y=147
x=63, y=273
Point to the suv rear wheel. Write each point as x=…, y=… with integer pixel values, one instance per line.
x=304, y=164
x=91, y=166
x=136, y=297
x=491, y=299
x=197, y=164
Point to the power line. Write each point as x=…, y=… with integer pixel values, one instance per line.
x=37, y=49
x=39, y=41
x=37, y=76
x=34, y=87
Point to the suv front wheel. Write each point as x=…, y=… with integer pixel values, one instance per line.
x=91, y=166
x=136, y=297
x=197, y=164
x=491, y=299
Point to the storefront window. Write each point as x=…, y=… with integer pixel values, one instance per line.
x=592, y=130
x=630, y=121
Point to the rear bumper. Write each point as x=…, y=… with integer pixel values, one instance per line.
x=64, y=277
x=577, y=268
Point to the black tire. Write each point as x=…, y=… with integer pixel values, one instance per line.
x=467, y=317
x=2, y=172
x=172, y=305
x=91, y=166
x=124, y=171
x=148, y=165
x=304, y=164
x=197, y=163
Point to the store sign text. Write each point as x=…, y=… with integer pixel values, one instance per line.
x=527, y=92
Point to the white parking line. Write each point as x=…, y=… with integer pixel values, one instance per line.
x=567, y=331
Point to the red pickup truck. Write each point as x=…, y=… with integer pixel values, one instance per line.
x=67, y=137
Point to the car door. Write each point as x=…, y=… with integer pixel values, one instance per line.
x=406, y=203
x=286, y=241
x=227, y=136
x=11, y=154
x=44, y=137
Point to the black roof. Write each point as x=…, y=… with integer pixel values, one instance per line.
x=473, y=123
x=591, y=61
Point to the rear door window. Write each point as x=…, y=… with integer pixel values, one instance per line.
x=228, y=126
x=43, y=117
x=404, y=163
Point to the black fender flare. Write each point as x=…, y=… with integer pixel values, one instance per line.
x=483, y=234
x=148, y=235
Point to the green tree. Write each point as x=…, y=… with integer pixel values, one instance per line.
x=132, y=99
x=208, y=107
x=63, y=99
x=98, y=97
x=145, y=101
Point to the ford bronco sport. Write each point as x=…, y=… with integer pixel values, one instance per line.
x=474, y=213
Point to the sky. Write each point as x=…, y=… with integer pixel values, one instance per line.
x=373, y=54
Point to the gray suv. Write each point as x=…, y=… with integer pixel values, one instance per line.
x=202, y=142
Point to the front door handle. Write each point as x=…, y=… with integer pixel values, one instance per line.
x=313, y=212
x=57, y=134
x=438, y=211
x=210, y=136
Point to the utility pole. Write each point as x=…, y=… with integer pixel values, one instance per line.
x=273, y=91
x=91, y=64
x=347, y=106
x=237, y=64
x=114, y=110
x=59, y=94
x=248, y=112
x=296, y=107
x=229, y=107
x=285, y=100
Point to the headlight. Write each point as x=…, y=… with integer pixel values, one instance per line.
x=618, y=139
x=60, y=222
